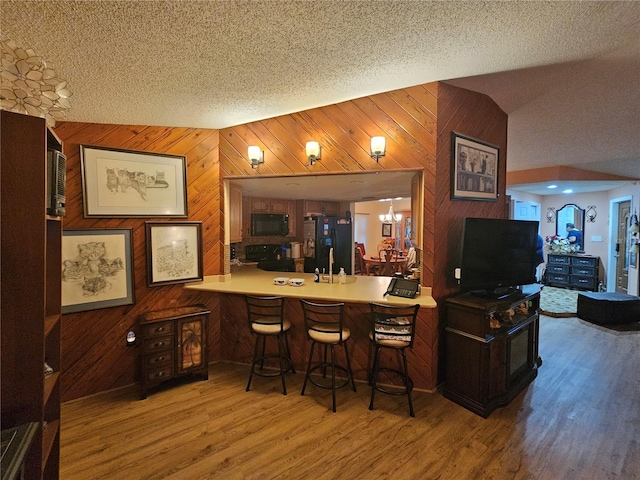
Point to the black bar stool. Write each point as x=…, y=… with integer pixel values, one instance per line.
x=266, y=319
x=323, y=323
x=392, y=327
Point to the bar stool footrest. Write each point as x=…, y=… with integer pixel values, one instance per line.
x=397, y=390
x=274, y=371
x=343, y=381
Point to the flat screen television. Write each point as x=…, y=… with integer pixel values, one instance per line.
x=498, y=255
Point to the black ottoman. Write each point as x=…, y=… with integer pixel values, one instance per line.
x=608, y=307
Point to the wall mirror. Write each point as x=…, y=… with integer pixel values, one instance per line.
x=570, y=213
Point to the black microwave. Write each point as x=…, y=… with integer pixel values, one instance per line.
x=269, y=224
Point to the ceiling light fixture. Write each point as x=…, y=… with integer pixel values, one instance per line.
x=568, y=190
x=390, y=216
x=378, y=147
x=30, y=86
x=256, y=155
x=552, y=186
x=313, y=151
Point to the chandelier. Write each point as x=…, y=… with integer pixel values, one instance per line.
x=390, y=217
x=30, y=86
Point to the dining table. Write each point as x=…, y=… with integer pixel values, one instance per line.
x=369, y=260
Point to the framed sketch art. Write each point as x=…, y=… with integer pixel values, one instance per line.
x=97, y=269
x=126, y=183
x=386, y=229
x=474, y=169
x=174, y=252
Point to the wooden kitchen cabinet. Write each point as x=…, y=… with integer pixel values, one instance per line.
x=319, y=207
x=235, y=213
x=491, y=349
x=174, y=344
x=270, y=205
x=31, y=253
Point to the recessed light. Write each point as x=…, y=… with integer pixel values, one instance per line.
x=568, y=190
x=552, y=186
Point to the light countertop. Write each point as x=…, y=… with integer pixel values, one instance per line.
x=249, y=280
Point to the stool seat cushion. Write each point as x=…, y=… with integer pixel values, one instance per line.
x=270, y=328
x=391, y=341
x=608, y=307
x=329, y=335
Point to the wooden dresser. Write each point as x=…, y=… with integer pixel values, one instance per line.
x=174, y=343
x=573, y=271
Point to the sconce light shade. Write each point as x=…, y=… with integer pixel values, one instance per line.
x=313, y=151
x=256, y=156
x=634, y=227
x=378, y=147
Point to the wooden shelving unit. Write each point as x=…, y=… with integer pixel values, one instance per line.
x=31, y=291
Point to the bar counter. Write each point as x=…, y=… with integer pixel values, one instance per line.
x=249, y=280
x=232, y=341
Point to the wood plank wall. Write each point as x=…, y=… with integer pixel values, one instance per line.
x=94, y=352
x=417, y=123
x=477, y=116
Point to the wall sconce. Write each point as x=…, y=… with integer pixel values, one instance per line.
x=591, y=213
x=256, y=156
x=378, y=147
x=313, y=151
x=634, y=227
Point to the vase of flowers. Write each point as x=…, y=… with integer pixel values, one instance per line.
x=556, y=244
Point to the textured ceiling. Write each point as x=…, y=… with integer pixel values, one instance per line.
x=565, y=72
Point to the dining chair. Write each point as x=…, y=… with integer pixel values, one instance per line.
x=387, y=262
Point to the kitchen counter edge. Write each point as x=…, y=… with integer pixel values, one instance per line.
x=358, y=289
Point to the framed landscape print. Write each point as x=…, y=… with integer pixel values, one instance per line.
x=174, y=252
x=126, y=183
x=97, y=269
x=474, y=169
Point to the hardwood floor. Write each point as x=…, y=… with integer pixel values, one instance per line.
x=579, y=419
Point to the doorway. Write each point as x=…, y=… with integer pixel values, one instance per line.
x=622, y=262
x=528, y=211
x=618, y=262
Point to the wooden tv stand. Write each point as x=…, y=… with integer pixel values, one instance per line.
x=491, y=348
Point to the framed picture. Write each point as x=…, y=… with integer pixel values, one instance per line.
x=474, y=169
x=97, y=269
x=386, y=229
x=126, y=183
x=174, y=252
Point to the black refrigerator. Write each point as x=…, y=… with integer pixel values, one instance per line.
x=320, y=235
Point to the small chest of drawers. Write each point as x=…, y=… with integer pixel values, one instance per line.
x=174, y=343
x=573, y=271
